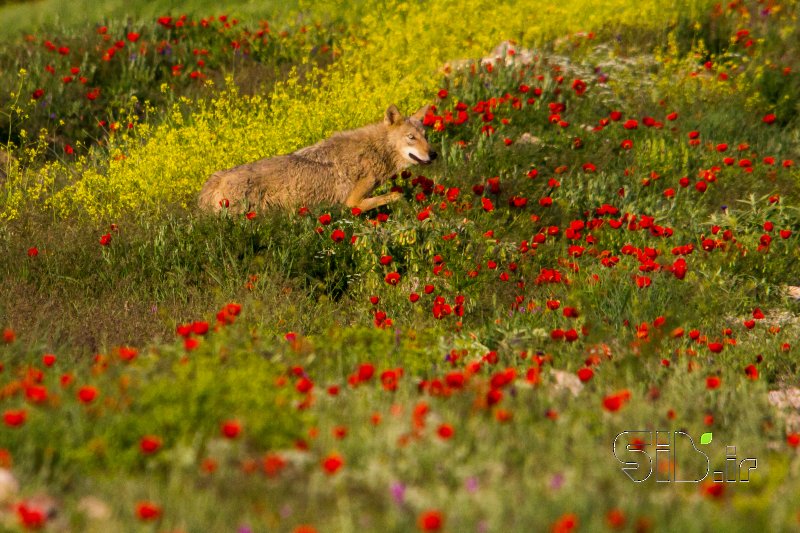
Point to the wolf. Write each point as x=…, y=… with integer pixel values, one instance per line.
x=343, y=169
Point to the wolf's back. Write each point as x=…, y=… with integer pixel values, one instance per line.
x=281, y=181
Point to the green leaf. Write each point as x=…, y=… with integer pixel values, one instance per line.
x=705, y=438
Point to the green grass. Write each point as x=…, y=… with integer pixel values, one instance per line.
x=467, y=401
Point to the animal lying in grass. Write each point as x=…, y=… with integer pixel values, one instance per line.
x=344, y=169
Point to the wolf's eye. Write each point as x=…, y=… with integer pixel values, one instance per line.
x=410, y=136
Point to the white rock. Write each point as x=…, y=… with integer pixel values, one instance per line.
x=527, y=138
x=94, y=508
x=568, y=381
x=9, y=486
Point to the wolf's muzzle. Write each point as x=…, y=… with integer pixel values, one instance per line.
x=431, y=157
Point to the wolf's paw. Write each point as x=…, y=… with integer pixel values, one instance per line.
x=394, y=196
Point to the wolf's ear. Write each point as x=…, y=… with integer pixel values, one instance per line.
x=421, y=112
x=392, y=116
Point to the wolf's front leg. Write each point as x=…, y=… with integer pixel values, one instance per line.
x=357, y=197
x=376, y=201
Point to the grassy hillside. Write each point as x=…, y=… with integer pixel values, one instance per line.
x=605, y=246
x=44, y=15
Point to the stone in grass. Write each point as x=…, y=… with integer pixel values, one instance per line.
x=566, y=381
x=9, y=487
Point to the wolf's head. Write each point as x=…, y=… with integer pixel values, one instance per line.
x=407, y=136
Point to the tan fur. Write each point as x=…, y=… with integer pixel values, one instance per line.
x=342, y=169
x=7, y=161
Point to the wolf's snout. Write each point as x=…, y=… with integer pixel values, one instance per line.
x=432, y=155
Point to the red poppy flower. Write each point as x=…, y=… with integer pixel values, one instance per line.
x=713, y=382
x=769, y=118
x=713, y=490
x=715, y=347
x=126, y=353
x=565, y=523
x=304, y=385
x=36, y=393
x=273, y=464
x=149, y=444
x=87, y=394
x=585, y=374
x=613, y=402
x=337, y=235
x=231, y=429
x=147, y=511
x=332, y=463
x=553, y=304
x=431, y=520
x=445, y=431
x=15, y=418
x=615, y=519
x=392, y=278
x=366, y=371
x=751, y=372
x=31, y=517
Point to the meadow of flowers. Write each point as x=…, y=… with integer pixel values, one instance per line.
x=607, y=244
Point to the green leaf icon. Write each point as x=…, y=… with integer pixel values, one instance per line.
x=705, y=438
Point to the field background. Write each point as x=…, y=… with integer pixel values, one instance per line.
x=607, y=243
